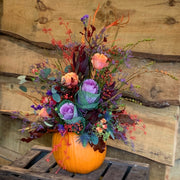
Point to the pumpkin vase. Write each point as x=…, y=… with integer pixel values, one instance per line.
x=70, y=154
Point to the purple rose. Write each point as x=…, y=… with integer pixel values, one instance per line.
x=88, y=95
x=91, y=86
x=67, y=111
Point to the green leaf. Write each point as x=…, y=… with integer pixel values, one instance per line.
x=84, y=138
x=53, y=90
x=111, y=131
x=68, y=68
x=47, y=124
x=43, y=87
x=23, y=88
x=44, y=73
x=48, y=110
x=83, y=103
x=94, y=139
x=32, y=79
x=52, y=78
x=75, y=120
x=56, y=97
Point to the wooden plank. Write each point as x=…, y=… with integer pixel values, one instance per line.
x=4, y=161
x=58, y=170
x=12, y=178
x=44, y=164
x=10, y=136
x=174, y=173
x=8, y=154
x=26, y=174
x=156, y=170
x=23, y=57
x=41, y=148
x=137, y=173
x=95, y=174
x=152, y=85
x=115, y=160
x=161, y=127
x=26, y=159
x=148, y=19
x=115, y=172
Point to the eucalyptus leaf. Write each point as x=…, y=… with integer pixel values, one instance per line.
x=23, y=88
x=52, y=78
x=47, y=124
x=56, y=97
x=47, y=71
x=43, y=87
x=22, y=79
x=53, y=90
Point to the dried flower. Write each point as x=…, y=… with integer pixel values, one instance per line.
x=70, y=79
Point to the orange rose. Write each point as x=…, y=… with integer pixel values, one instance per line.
x=43, y=113
x=69, y=79
x=103, y=121
x=99, y=130
x=99, y=61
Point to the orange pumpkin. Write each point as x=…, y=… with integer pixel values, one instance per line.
x=72, y=156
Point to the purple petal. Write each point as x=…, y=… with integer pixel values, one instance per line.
x=90, y=85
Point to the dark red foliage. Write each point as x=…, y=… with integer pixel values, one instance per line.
x=37, y=133
x=123, y=118
x=80, y=62
x=100, y=146
x=92, y=116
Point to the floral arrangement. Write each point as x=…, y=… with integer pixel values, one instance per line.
x=82, y=93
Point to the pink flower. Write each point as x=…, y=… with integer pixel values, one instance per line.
x=104, y=126
x=70, y=79
x=44, y=100
x=34, y=71
x=43, y=113
x=99, y=61
x=49, y=100
x=99, y=130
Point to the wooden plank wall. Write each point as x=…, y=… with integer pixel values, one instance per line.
x=22, y=43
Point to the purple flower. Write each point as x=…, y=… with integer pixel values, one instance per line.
x=84, y=19
x=89, y=85
x=49, y=93
x=38, y=107
x=61, y=129
x=88, y=95
x=67, y=110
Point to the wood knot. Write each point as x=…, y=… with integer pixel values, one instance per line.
x=108, y=3
x=42, y=20
x=109, y=13
x=154, y=92
x=170, y=21
x=41, y=6
x=172, y=2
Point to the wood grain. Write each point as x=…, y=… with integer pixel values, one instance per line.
x=148, y=19
x=156, y=89
x=27, y=174
x=161, y=127
x=157, y=170
x=10, y=137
